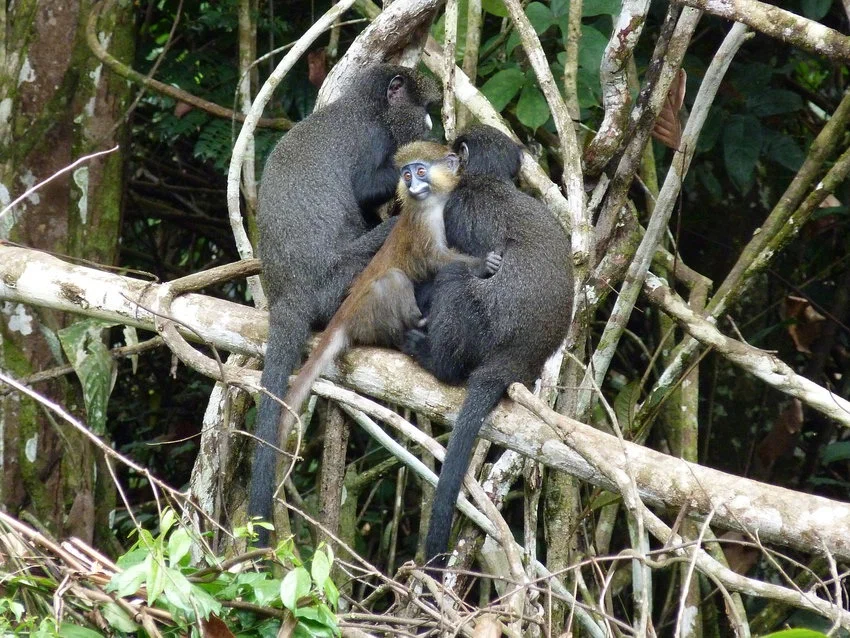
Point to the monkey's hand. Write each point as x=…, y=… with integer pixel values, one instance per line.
x=492, y=263
x=414, y=342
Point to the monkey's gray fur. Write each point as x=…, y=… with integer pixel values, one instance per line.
x=319, y=226
x=493, y=331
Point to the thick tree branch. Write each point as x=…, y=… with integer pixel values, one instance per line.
x=780, y=24
x=785, y=517
x=759, y=363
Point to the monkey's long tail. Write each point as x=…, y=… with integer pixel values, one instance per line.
x=486, y=387
x=332, y=343
x=275, y=424
x=290, y=327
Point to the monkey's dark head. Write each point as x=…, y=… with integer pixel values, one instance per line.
x=486, y=151
x=427, y=169
x=401, y=96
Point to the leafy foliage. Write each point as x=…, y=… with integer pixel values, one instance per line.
x=157, y=569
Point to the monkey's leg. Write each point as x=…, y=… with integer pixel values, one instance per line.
x=289, y=329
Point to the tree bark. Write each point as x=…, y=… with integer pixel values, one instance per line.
x=57, y=106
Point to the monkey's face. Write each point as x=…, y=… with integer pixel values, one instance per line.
x=422, y=177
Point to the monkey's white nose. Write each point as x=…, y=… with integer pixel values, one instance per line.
x=428, y=122
x=419, y=190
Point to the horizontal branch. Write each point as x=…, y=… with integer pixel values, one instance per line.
x=780, y=24
x=759, y=363
x=776, y=515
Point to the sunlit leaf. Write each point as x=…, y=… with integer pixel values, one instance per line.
x=495, y=7
x=295, y=585
x=67, y=630
x=320, y=568
x=179, y=544
x=118, y=618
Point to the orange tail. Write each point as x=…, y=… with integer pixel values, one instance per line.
x=334, y=341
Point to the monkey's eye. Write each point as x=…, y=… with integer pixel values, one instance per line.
x=420, y=172
x=406, y=176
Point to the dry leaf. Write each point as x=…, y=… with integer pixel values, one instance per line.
x=668, y=126
x=781, y=439
x=214, y=627
x=317, y=67
x=805, y=322
x=487, y=627
x=741, y=558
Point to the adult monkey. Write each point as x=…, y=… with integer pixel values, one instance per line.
x=492, y=331
x=318, y=220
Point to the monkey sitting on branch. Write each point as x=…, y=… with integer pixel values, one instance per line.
x=318, y=225
x=381, y=305
x=491, y=333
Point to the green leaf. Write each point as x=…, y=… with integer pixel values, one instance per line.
x=177, y=590
x=532, y=109
x=179, y=544
x=156, y=579
x=591, y=48
x=118, y=618
x=711, y=183
x=129, y=581
x=502, y=87
x=815, y=9
x=315, y=629
x=796, y=633
x=588, y=88
x=783, y=150
x=83, y=345
x=710, y=130
x=495, y=7
x=838, y=451
x=741, y=148
x=267, y=591
x=67, y=630
x=320, y=568
x=774, y=102
x=332, y=593
x=540, y=16
x=560, y=7
x=12, y=607
x=600, y=7
x=625, y=402
x=295, y=585
x=166, y=521
x=604, y=499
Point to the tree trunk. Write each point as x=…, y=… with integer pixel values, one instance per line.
x=57, y=106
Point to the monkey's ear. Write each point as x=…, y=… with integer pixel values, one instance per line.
x=453, y=162
x=396, y=91
x=464, y=153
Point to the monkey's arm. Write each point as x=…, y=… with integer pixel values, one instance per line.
x=374, y=176
x=481, y=268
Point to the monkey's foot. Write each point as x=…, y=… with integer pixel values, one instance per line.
x=492, y=263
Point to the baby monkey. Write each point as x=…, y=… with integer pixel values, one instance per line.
x=381, y=306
